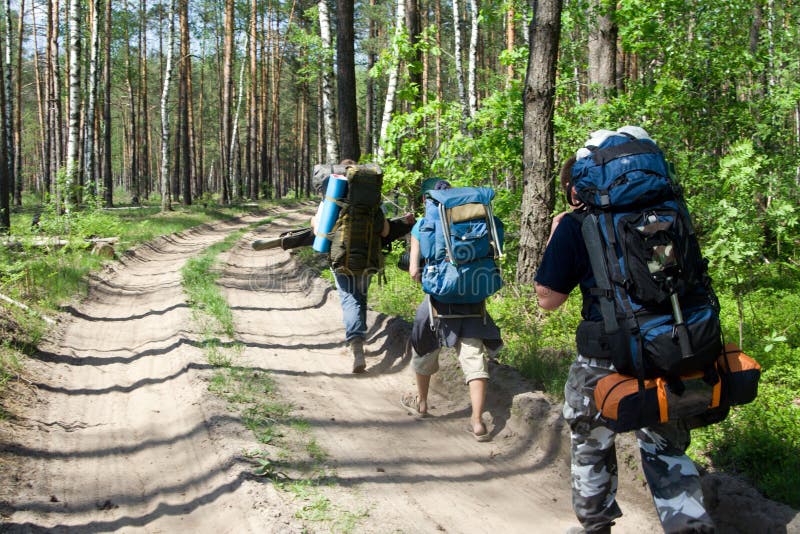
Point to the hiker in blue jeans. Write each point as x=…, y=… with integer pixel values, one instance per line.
x=352, y=289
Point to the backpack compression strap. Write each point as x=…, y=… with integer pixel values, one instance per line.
x=634, y=147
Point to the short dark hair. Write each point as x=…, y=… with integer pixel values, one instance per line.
x=566, y=178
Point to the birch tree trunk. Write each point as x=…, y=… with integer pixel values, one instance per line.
x=462, y=95
x=227, y=92
x=89, y=150
x=236, y=176
x=40, y=97
x=5, y=183
x=73, y=143
x=391, y=86
x=164, y=175
x=331, y=153
x=473, y=58
x=538, y=195
x=8, y=88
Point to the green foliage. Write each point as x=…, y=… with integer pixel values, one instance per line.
x=399, y=295
x=540, y=346
x=736, y=221
x=760, y=440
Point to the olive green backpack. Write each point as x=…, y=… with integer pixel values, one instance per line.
x=356, y=242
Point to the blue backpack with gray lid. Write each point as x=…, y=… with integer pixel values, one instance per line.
x=460, y=241
x=660, y=315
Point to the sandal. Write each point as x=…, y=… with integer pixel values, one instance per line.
x=485, y=436
x=410, y=402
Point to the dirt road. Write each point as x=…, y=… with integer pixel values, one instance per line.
x=121, y=433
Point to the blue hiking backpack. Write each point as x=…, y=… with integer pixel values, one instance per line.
x=460, y=241
x=660, y=315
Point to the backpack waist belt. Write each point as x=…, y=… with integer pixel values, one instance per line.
x=593, y=341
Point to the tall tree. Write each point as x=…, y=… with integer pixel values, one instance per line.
x=17, y=139
x=144, y=144
x=602, y=51
x=252, y=111
x=346, y=81
x=472, y=74
x=164, y=178
x=227, y=100
x=370, y=107
x=391, y=87
x=8, y=88
x=331, y=153
x=108, y=179
x=73, y=143
x=538, y=196
x=5, y=179
x=462, y=93
x=236, y=176
x=184, y=105
x=89, y=139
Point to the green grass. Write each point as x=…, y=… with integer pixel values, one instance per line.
x=287, y=445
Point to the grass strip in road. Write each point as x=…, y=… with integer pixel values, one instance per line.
x=286, y=441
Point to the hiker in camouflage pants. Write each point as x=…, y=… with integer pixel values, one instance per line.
x=671, y=475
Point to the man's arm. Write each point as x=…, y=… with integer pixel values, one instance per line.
x=413, y=260
x=549, y=299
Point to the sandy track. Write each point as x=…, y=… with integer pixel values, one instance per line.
x=122, y=434
x=121, y=438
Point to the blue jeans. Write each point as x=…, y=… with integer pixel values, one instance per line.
x=353, y=295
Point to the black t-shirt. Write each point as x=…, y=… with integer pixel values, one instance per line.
x=565, y=264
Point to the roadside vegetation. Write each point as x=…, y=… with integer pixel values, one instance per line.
x=46, y=258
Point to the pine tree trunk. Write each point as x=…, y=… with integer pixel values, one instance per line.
x=145, y=157
x=538, y=196
x=349, y=147
x=185, y=103
x=5, y=181
x=108, y=179
x=252, y=112
x=90, y=141
x=370, y=107
x=17, y=140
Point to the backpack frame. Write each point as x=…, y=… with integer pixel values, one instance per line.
x=461, y=240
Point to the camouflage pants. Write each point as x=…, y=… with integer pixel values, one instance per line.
x=671, y=476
